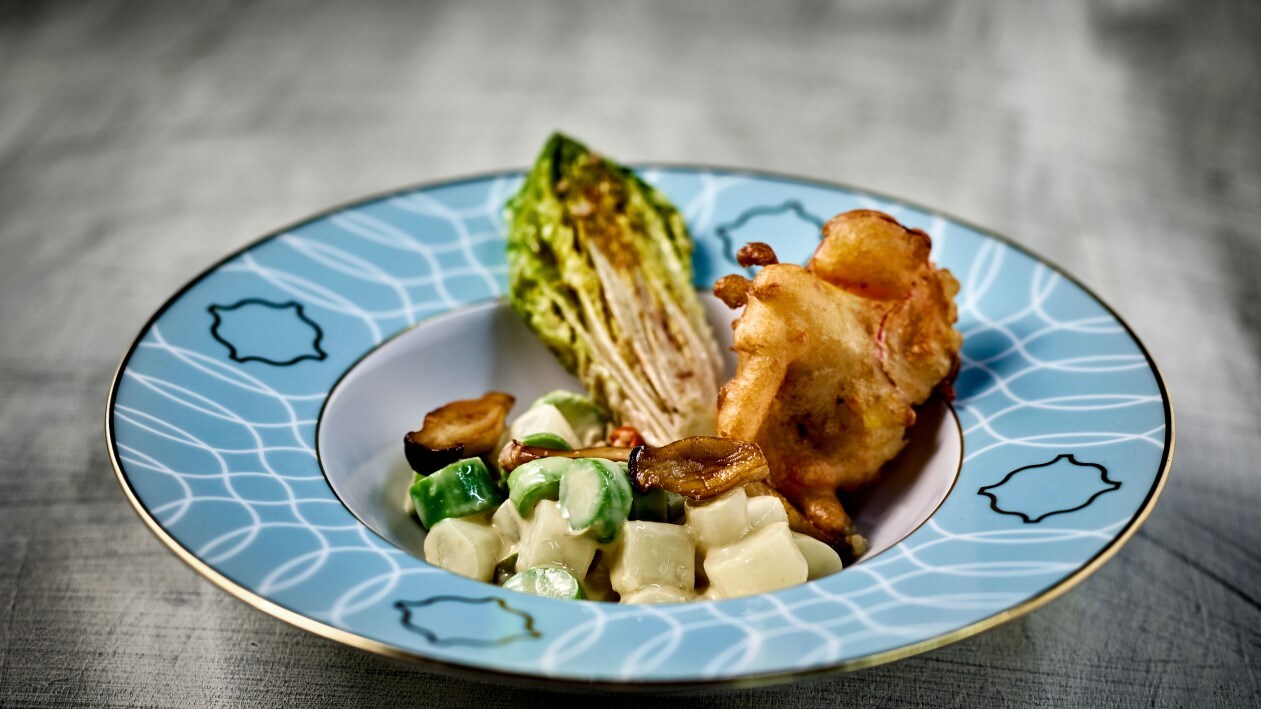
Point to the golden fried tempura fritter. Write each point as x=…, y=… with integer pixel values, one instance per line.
x=834, y=357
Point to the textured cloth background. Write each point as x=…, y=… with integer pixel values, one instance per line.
x=141, y=142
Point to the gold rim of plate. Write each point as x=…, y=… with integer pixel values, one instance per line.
x=899, y=653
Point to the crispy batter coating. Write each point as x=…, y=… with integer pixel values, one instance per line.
x=733, y=290
x=833, y=358
x=756, y=253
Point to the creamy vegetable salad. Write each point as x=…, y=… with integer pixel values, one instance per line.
x=580, y=528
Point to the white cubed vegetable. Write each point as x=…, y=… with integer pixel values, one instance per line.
x=508, y=522
x=464, y=547
x=821, y=559
x=654, y=554
x=766, y=560
x=544, y=418
x=720, y=521
x=658, y=594
x=546, y=541
x=765, y=509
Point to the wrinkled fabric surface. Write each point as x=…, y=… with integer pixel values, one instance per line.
x=140, y=142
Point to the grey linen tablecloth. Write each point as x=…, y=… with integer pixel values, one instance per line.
x=140, y=142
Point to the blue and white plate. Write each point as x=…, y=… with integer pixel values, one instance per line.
x=256, y=425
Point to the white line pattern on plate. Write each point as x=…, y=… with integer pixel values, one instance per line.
x=258, y=416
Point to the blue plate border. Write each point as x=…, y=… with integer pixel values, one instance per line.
x=299, y=620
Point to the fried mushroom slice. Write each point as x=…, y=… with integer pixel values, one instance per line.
x=516, y=454
x=460, y=429
x=756, y=253
x=625, y=437
x=733, y=290
x=698, y=468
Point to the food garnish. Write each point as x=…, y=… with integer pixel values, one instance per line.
x=698, y=468
x=600, y=268
x=460, y=429
x=517, y=453
x=756, y=253
x=625, y=437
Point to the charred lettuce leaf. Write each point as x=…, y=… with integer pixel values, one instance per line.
x=600, y=268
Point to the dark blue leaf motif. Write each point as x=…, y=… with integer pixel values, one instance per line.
x=442, y=625
x=1059, y=486
x=772, y=224
x=257, y=330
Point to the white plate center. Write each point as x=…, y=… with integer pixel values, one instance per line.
x=469, y=351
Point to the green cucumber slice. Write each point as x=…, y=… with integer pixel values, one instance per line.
x=534, y=481
x=550, y=441
x=674, y=506
x=584, y=414
x=547, y=582
x=462, y=488
x=595, y=497
x=656, y=505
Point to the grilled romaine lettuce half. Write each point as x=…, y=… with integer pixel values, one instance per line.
x=600, y=268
